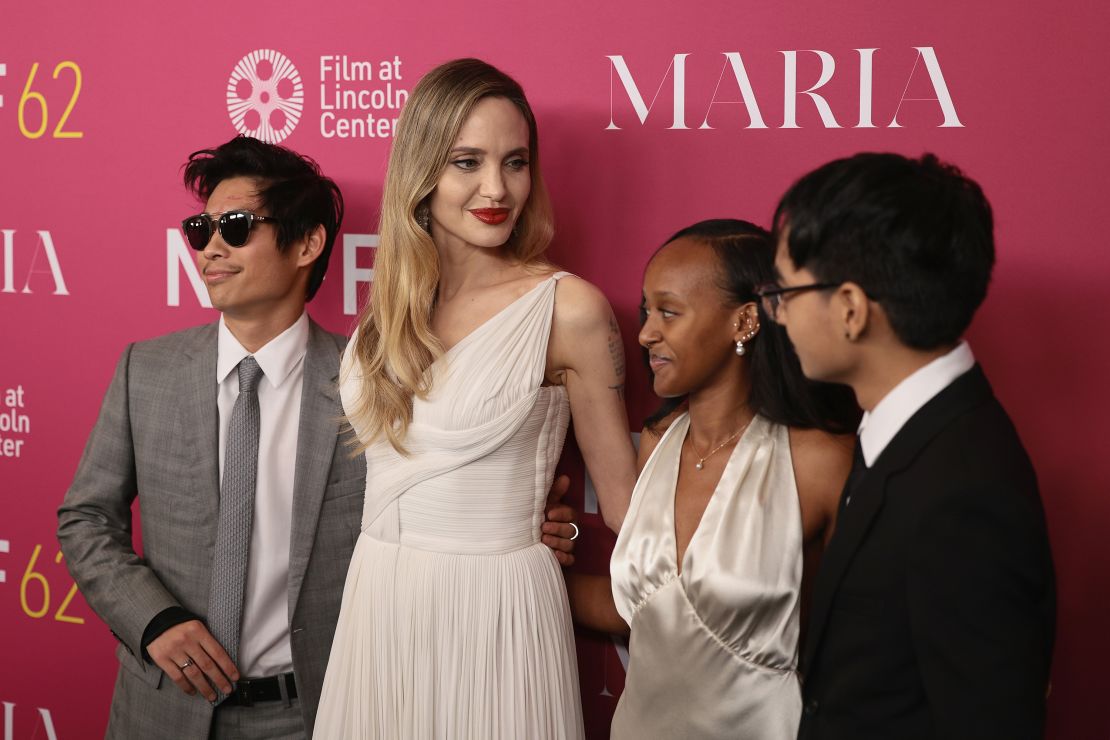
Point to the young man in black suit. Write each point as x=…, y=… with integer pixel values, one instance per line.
x=933, y=612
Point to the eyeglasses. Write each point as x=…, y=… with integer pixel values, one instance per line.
x=773, y=296
x=234, y=226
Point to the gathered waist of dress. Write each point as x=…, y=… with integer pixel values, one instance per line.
x=464, y=545
x=466, y=522
x=485, y=507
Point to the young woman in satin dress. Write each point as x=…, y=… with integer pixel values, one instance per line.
x=739, y=484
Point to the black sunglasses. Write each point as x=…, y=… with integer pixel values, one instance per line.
x=234, y=226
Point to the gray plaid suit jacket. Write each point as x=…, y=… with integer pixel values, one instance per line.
x=157, y=438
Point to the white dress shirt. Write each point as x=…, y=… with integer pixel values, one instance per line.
x=264, y=648
x=880, y=424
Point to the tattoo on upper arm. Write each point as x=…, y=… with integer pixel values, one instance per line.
x=616, y=354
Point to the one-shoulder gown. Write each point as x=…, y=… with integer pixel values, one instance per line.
x=454, y=621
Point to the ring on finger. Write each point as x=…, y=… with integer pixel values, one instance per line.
x=576, y=532
x=188, y=662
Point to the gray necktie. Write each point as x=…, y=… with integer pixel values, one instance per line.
x=233, y=535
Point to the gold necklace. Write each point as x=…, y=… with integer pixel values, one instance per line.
x=702, y=458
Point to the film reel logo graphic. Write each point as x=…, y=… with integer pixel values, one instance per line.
x=265, y=96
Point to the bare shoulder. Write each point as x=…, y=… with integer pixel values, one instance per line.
x=815, y=449
x=585, y=336
x=822, y=462
x=581, y=306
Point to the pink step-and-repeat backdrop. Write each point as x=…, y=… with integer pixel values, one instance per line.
x=652, y=115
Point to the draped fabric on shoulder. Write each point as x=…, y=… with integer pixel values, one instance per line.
x=455, y=621
x=713, y=650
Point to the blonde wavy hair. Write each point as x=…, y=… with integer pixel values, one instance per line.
x=395, y=344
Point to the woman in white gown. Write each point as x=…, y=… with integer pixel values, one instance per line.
x=739, y=483
x=467, y=363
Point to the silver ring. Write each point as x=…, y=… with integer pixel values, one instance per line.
x=188, y=662
x=576, y=532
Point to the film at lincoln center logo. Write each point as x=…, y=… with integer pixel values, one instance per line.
x=265, y=96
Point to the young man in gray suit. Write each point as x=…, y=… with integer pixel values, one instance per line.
x=230, y=435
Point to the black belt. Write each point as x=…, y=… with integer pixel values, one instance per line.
x=250, y=691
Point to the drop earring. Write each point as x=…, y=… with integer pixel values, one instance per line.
x=740, y=348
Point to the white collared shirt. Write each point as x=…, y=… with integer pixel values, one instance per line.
x=880, y=424
x=264, y=648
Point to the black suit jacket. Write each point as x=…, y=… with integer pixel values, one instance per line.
x=934, y=607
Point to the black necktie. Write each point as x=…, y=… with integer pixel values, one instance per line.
x=859, y=470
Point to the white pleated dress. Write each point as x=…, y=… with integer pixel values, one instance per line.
x=455, y=621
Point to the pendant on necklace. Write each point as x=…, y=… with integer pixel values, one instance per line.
x=700, y=460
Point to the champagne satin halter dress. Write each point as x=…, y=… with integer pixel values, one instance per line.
x=713, y=650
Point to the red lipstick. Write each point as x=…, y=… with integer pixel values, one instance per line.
x=491, y=216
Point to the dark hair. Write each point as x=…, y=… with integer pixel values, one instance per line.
x=292, y=188
x=915, y=234
x=779, y=392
